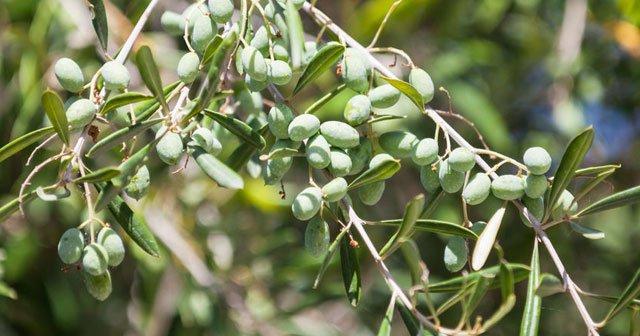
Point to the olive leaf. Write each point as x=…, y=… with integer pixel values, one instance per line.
x=478, y=291
x=385, y=325
x=407, y=89
x=573, y=156
x=100, y=175
x=333, y=248
x=7, y=291
x=548, y=285
x=411, y=214
x=24, y=141
x=53, y=107
x=350, y=267
x=384, y=117
x=150, y=74
x=434, y=226
x=506, y=281
x=585, y=231
x=211, y=49
x=237, y=127
x=296, y=34
x=146, y=109
x=500, y=313
x=99, y=21
x=381, y=172
x=241, y=155
x=123, y=99
x=533, y=303
x=280, y=153
x=323, y=60
x=121, y=135
x=417, y=268
x=621, y=198
x=520, y=273
x=43, y=195
x=12, y=206
x=327, y=97
x=631, y=291
x=587, y=187
x=218, y=171
x=596, y=169
x=134, y=225
x=487, y=238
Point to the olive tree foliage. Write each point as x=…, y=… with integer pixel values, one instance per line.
x=255, y=57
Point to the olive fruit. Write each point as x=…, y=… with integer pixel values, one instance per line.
x=69, y=74
x=422, y=82
x=99, y=286
x=279, y=72
x=384, y=96
x=461, y=159
x=316, y=237
x=204, y=30
x=425, y=152
x=399, y=144
x=340, y=134
x=370, y=194
x=335, y=189
x=357, y=110
x=221, y=10
x=254, y=63
x=565, y=206
x=188, y=67
x=318, y=152
x=355, y=71
x=303, y=127
x=508, y=187
x=172, y=23
x=456, y=253
x=450, y=180
x=112, y=243
x=429, y=178
x=95, y=259
x=535, y=185
x=80, y=113
x=307, y=203
x=139, y=183
x=537, y=160
x=169, y=147
x=340, y=162
x=116, y=76
x=70, y=246
x=477, y=190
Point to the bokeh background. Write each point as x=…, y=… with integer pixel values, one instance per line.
x=526, y=72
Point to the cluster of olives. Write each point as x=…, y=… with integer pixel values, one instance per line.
x=95, y=257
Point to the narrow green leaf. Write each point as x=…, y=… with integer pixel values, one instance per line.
x=548, y=285
x=281, y=153
x=596, y=169
x=123, y=99
x=333, y=248
x=55, y=196
x=7, y=291
x=477, y=293
x=241, y=155
x=531, y=314
x=380, y=172
x=384, y=117
x=385, y=325
x=145, y=110
x=587, y=187
x=53, y=107
x=150, y=74
x=350, y=272
x=506, y=281
x=586, y=232
x=12, y=206
x=408, y=90
x=296, y=34
x=121, y=135
x=621, y=198
x=417, y=267
x=324, y=99
x=237, y=127
x=572, y=158
x=409, y=320
x=323, y=60
x=218, y=171
x=24, y=141
x=630, y=292
x=520, y=273
x=134, y=225
x=211, y=49
x=99, y=21
x=411, y=214
x=499, y=314
x=100, y=175
x=434, y=226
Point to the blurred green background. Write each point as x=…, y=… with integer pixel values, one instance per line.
x=526, y=72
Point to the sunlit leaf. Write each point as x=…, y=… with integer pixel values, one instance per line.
x=122, y=135
x=621, y=198
x=24, y=141
x=150, y=74
x=585, y=231
x=434, y=226
x=487, y=238
x=211, y=49
x=406, y=89
x=123, y=99
x=381, y=172
x=237, y=127
x=134, y=225
x=100, y=175
x=411, y=213
x=218, y=171
x=53, y=107
x=323, y=60
x=520, y=272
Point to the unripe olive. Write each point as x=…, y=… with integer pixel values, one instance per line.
x=340, y=134
x=279, y=72
x=340, y=162
x=204, y=30
x=379, y=159
x=204, y=138
x=303, y=127
x=357, y=110
x=456, y=253
x=318, y=152
x=370, y=194
x=508, y=187
x=172, y=23
x=116, y=76
x=253, y=84
x=565, y=206
x=355, y=71
x=335, y=189
x=535, y=207
x=70, y=246
x=188, y=67
x=169, y=147
x=80, y=113
x=95, y=259
x=69, y=74
x=120, y=117
x=450, y=180
x=99, y=286
x=425, y=152
x=399, y=144
x=276, y=168
x=254, y=63
x=296, y=3
x=535, y=185
x=360, y=156
x=537, y=160
x=193, y=12
x=112, y=243
x=422, y=82
x=477, y=190
x=221, y=10
x=260, y=39
x=307, y=203
x=384, y=96
x=280, y=52
x=316, y=237
x=429, y=178
x=139, y=183
x=461, y=159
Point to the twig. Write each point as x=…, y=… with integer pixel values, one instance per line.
x=392, y=8
x=35, y=150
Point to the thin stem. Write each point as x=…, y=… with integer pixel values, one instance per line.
x=133, y=36
x=514, y=162
x=395, y=51
x=325, y=99
x=392, y=8
x=267, y=25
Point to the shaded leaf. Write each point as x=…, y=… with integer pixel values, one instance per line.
x=211, y=49
x=333, y=248
x=621, y=198
x=121, y=135
x=411, y=214
x=380, y=172
x=218, y=171
x=531, y=314
x=53, y=107
x=350, y=272
x=630, y=292
x=99, y=21
x=585, y=231
x=296, y=34
x=123, y=99
x=12, y=206
x=548, y=285
x=434, y=226
x=243, y=153
x=385, y=325
x=323, y=60
x=150, y=74
x=7, y=291
x=100, y=175
x=499, y=314
x=478, y=291
x=408, y=90
x=520, y=273
x=506, y=281
x=134, y=225
x=146, y=109
x=237, y=127
x=24, y=141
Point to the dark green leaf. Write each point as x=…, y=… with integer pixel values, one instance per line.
x=150, y=74
x=218, y=171
x=385, y=325
x=333, y=248
x=408, y=90
x=434, y=226
x=134, y=226
x=243, y=153
x=24, y=141
x=621, y=198
x=411, y=213
x=121, y=135
x=323, y=60
x=123, y=99
x=571, y=159
x=237, y=127
x=211, y=49
x=53, y=107
x=409, y=320
x=99, y=21
x=380, y=172
x=520, y=272
x=506, y=281
x=12, y=206
x=630, y=292
x=417, y=267
x=350, y=272
x=531, y=314
x=100, y=175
